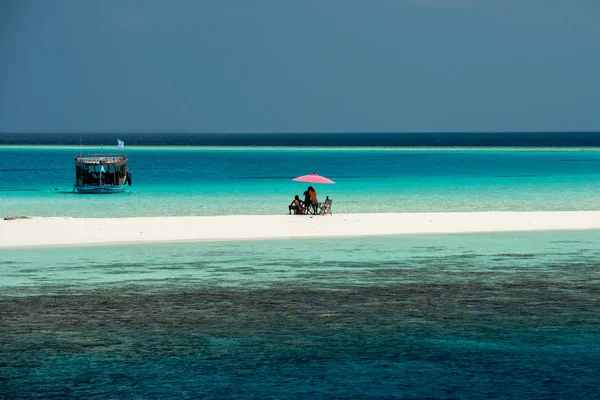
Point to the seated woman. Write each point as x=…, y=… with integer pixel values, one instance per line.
x=296, y=205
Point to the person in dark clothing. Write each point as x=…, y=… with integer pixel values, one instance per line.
x=307, y=199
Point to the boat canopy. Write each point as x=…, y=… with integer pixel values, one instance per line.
x=108, y=159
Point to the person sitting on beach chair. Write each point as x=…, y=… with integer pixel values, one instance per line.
x=296, y=206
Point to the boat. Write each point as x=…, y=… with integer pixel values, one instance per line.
x=101, y=173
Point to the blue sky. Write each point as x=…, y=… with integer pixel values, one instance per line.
x=299, y=66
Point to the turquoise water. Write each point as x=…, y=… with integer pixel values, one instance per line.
x=455, y=316
x=511, y=315
x=203, y=181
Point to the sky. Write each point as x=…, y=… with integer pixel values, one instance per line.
x=299, y=66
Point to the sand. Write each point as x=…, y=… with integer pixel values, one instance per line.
x=68, y=231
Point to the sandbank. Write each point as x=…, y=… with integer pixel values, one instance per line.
x=70, y=231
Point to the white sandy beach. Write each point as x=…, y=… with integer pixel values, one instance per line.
x=68, y=231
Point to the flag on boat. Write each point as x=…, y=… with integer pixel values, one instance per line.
x=120, y=143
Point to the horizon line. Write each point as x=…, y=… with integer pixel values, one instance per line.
x=291, y=133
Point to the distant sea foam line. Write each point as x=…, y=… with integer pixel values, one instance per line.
x=114, y=148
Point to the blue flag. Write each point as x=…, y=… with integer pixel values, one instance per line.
x=120, y=143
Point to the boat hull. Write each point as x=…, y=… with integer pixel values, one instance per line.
x=103, y=189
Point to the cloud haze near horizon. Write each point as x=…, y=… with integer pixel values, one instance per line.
x=311, y=66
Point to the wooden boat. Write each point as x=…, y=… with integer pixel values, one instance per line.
x=101, y=173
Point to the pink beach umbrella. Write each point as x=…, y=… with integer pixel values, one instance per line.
x=313, y=178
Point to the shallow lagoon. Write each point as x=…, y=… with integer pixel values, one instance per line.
x=456, y=316
x=209, y=181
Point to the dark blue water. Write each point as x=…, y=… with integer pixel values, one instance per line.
x=452, y=139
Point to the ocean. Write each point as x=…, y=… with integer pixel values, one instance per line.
x=502, y=315
x=234, y=178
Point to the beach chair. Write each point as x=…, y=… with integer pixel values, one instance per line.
x=312, y=209
x=308, y=209
x=325, y=207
